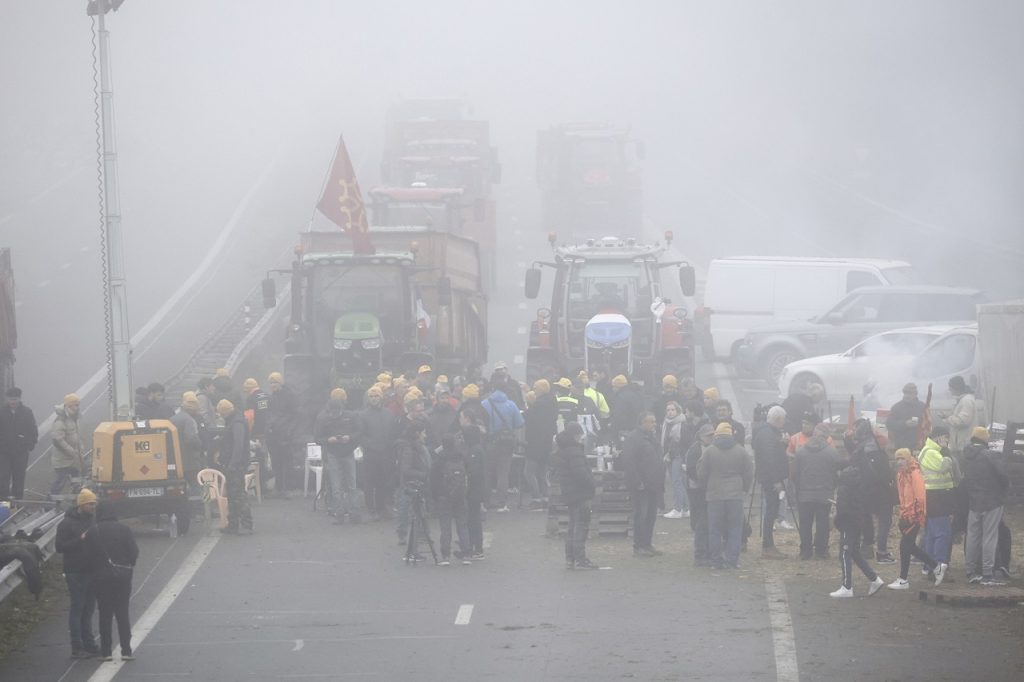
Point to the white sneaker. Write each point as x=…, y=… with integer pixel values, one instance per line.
x=674, y=514
x=899, y=584
x=842, y=593
x=502, y=509
x=925, y=571
x=875, y=586
x=786, y=525
x=940, y=573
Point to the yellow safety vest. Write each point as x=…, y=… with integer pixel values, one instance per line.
x=598, y=398
x=936, y=470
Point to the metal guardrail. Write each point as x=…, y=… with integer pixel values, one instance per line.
x=45, y=520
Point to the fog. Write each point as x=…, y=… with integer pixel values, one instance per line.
x=799, y=128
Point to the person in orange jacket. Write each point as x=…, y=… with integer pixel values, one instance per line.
x=913, y=513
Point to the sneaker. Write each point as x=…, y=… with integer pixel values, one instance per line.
x=915, y=560
x=974, y=579
x=503, y=508
x=478, y=556
x=80, y=653
x=940, y=573
x=899, y=584
x=1001, y=572
x=586, y=565
x=444, y=562
x=785, y=525
x=991, y=581
x=925, y=571
x=466, y=561
x=127, y=656
x=413, y=558
x=674, y=514
x=842, y=593
x=653, y=552
x=875, y=586
x=884, y=558
x=108, y=657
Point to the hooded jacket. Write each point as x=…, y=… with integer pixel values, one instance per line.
x=770, y=458
x=642, y=463
x=188, y=435
x=67, y=440
x=110, y=541
x=962, y=422
x=69, y=540
x=725, y=470
x=574, y=475
x=18, y=432
x=936, y=468
x=504, y=415
x=984, y=478
x=913, y=500
x=814, y=470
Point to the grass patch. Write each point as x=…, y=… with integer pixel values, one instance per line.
x=20, y=613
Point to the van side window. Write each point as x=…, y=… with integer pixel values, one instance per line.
x=855, y=279
x=950, y=355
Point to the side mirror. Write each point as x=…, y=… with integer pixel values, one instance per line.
x=444, y=291
x=688, y=280
x=269, y=293
x=532, y=282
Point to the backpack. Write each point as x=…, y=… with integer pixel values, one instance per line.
x=453, y=482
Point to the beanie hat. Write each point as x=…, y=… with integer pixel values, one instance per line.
x=190, y=400
x=442, y=379
x=275, y=378
x=619, y=381
x=72, y=399
x=424, y=369
x=471, y=391
x=958, y=384
x=250, y=384
x=904, y=453
x=13, y=392
x=374, y=392
x=384, y=378
x=711, y=393
x=669, y=381
x=980, y=433
x=85, y=496
x=723, y=429
x=705, y=430
x=541, y=386
x=221, y=372
x=339, y=394
x=530, y=397
x=225, y=407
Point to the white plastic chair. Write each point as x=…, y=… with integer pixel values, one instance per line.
x=253, y=483
x=213, y=484
x=315, y=466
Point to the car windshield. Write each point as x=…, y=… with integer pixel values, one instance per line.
x=340, y=289
x=901, y=343
x=611, y=287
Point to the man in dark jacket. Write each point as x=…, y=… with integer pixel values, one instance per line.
x=541, y=425
x=154, y=407
x=258, y=402
x=726, y=472
x=413, y=472
x=78, y=573
x=281, y=426
x=723, y=414
x=626, y=405
x=696, y=494
x=18, y=437
x=904, y=419
x=338, y=431
x=577, y=484
x=112, y=550
x=814, y=481
x=645, y=479
x=449, y=483
x=379, y=461
x=469, y=440
x=772, y=465
x=851, y=503
x=987, y=485
x=879, y=490
x=234, y=458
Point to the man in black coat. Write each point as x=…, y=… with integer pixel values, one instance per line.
x=541, y=426
x=112, y=550
x=904, y=419
x=234, y=459
x=380, y=428
x=578, y=488
x=626, y=405
x=645, y=479
x=281, y=427
x=18, y=437
x=771, y=469
x=78, y=573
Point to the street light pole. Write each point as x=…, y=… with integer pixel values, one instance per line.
x=119, y=339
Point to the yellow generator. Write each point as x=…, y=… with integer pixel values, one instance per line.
x=137, y=468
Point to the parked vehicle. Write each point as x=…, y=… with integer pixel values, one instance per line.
x=1001, y=344
x=767, y=349
x=743, y=292
x=849, y=373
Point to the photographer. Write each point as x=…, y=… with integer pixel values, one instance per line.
x=413, y=470
x=449, y=485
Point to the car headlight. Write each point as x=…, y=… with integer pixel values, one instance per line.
x=371, y=344
x=342, y=344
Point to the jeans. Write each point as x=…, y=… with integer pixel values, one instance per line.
x=849, y=554
x=814, y=514
x=500, y=462
x=883, y=513
x=12, y=475
x=342, y=476
x=536, y=477
x=62, y=476
x=938, y=538
x=909, y=548
x=699, y=526
x=576, y=533
x=113, y=596
x=452, y=510
x=725, y=532
x=239, y=512
x=81, y=589
x=771, y=512
x=982, y=539
x=645, y=510
x=678, y=475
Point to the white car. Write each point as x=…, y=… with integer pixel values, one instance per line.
x=846, y=374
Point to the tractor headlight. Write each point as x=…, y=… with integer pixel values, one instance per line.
x=342, y=344
x=371, y=344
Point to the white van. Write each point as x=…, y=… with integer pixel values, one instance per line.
x=743, y=292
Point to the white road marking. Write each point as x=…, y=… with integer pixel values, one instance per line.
x=221, y=643
x=488, y=539
x=298, y=645
x=782, y=630
x=464, y=614
x=160, y=605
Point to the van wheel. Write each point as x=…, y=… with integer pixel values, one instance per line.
x=773, y=362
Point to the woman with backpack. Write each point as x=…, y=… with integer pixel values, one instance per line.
x=112, y=551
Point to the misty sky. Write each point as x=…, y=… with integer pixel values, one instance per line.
x=838, y=128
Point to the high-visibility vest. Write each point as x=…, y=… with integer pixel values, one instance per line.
x=936, y=471
x=598, y=398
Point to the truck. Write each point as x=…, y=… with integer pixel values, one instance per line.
x=608, y=313
x=431, y=144
x=590, y=181
x=1001, y=346
x=417, y=300
x=8, y=327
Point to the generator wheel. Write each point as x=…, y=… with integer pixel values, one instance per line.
x=184, y=520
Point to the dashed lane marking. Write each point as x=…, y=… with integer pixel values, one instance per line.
x=464, y=614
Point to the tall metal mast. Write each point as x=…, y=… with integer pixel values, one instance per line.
x=118, y=338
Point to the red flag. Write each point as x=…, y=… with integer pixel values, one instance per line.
x=924, y=429
x=851, y=416
x=342, y=201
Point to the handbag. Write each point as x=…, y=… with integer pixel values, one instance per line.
x=117, y=571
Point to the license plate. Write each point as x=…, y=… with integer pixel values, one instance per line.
x=145, y=492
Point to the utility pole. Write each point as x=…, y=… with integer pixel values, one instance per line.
x=119, y=348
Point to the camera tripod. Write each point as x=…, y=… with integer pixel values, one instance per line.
x=417, y=523
x=755, y=490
